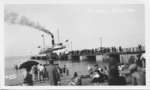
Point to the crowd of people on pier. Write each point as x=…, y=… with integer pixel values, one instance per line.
x=119, y=49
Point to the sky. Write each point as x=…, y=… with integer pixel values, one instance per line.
x=82, y=24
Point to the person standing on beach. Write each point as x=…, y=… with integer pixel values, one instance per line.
x=52, y=73
x=41, y=69
x=64, y=69
x=35, y=72
x=57, y=73
x=45, y=73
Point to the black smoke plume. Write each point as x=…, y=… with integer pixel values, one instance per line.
x=14, y=18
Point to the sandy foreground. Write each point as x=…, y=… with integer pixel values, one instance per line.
x=64, y=82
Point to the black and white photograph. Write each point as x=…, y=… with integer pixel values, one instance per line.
x=75, y=44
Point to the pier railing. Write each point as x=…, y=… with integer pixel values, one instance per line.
x=92, y=52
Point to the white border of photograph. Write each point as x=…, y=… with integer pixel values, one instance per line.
x=147, y=36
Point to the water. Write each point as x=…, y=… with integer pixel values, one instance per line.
x=12, y=77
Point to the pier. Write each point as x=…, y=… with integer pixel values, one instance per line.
x=98, y=55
